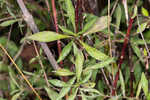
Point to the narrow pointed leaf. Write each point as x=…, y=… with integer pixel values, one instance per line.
x=83, y=96
x=79, y=64
x=70, y=11
x=135, y=12
x=122, y=83
x=75, y=49
x=142, y=27
x=100, y=65
x=87, y=77
x=66, y=50
x=51, y=93
x=47, y=36
x=137, y=51
x=65, y=90
x=16, y=96
x=88, y=25
x=99, y=25
x=73, y=95
x=57, y=83
x=139, y=89
x=145, y=12
x=67, y=31
x=144, y=84
x=94, y=52
x=64, y=72
x=9, y=22
x=118, y=15
x=90, y=90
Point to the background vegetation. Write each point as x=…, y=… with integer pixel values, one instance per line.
x=97, y=50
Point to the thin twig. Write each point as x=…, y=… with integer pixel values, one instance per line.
x=20, y=72
x=109, y=28
x=56, y=27
x=107, y=82
x=41, y=64
x=114, y=7
x=142, y=36
x=126, y=40
x=30, y=21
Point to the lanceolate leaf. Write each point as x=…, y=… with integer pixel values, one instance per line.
x=66, y=50
x=142, y=27
x=137, y=50
x=90, y=90
x=145, y=12
x=87, y=77
x=118, y=15
x=99, y=25
x=47, y=36
x=73, y=95
x=122, y=83
x=144, y=84
x=70, y=12
x=101, y=64
x=94, y=52
x=79, y=64
x=57, y=83
x=16, y=96
x=65, y=90
x=51, y=93
x=67, y=31
x=63, y=72
x=9, y=22
x=88, y=25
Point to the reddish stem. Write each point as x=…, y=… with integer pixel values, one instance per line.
x=126, y=40
x=56, y=26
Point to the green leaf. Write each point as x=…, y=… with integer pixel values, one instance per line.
x=148, y=96
x=99, y=25
x=66, y=50
x=145, y=12
x=139, y=89
x=88, y=25
x=51, y=93
x=75, y=49
x=144, y=84
x=87, y=77
x=118, y=15
x=122, y=83
x=70, y=12
x=57, y=83
x=16, y=96
x=73, y=95
x=100, y=65
x=90, y=90
x=83, y=96
x=142, y=27
x=65, y=90
x=67, y=31
x=137, y=51
x=13, y=78
x=64, y=72
x=135, y=12
x=3, y=67
x=8, y=23
x=47, y=36
x=94, y=52
x=79, y=64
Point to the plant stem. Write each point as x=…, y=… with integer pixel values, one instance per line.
x=126, y=40
x=56, y=26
